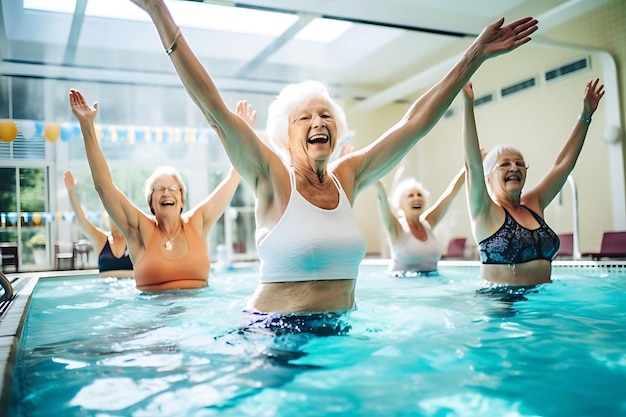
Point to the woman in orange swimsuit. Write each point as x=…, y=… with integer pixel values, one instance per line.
x=168, y=250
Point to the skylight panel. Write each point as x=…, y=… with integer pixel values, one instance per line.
x=323, y=30
x=186, y=13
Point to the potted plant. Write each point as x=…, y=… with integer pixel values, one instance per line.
x=38, y=245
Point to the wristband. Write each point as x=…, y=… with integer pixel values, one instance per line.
x=584, y=119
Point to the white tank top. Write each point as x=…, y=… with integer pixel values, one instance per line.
x=410, y=254
x=310, y=243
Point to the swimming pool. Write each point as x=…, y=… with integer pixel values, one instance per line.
x=424, y=346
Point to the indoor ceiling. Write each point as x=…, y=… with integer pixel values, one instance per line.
x=381, y=56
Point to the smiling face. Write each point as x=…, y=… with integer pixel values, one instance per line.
x=166, y=197
x=413, y=202
x=312, y=131
x=509, y=172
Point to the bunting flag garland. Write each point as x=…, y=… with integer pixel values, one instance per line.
x=67, y=132
x=10, y=219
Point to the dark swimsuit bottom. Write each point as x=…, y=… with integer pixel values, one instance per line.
x=318, y=324
x=515, y=244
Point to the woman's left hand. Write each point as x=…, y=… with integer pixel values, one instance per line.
x=593, y=95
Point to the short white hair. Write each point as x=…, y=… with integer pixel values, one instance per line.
x=290, y=99
x=491, y=159
x=403, y=187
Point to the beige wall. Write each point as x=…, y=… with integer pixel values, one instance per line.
x=537, y=121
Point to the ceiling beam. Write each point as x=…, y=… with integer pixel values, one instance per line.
x=77, y=25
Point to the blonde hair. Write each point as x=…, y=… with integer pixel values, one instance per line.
x=159, y=172
x=289, y=100
x=403, y=187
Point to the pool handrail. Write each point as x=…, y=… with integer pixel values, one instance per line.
x=5, y=283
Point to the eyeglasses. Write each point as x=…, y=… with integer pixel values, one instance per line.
x=509, y=164
x=160, y=189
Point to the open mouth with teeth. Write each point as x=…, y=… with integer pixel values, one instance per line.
x=514, y=177
x=318, y=139
x=167, y=203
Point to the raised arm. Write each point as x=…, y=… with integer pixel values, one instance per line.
x=555, y=178
x=390, y=221
x=212, y=207
x=478, y=198
x=96, y=235
x=121, y=210
x=437, y=211
x=248, y=154
x=386, y=152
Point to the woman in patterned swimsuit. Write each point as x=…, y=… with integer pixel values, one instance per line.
x=516, y=246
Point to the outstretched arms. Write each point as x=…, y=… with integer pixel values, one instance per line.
x=555, y=178
x=437, y=211
x=390, y=221
x=383, y=154
x=477, y=195
x=96, y=235
x=248, y=154
x=212, y=207
x=119, y=207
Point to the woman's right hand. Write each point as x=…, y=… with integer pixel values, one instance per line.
x=81, y=109
x=70, y=184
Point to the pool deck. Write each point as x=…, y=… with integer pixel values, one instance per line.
x=13, y=312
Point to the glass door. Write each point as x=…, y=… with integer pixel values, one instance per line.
x=24, y=221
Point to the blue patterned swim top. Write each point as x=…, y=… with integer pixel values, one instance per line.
x=515, y=244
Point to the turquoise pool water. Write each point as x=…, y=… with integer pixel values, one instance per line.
x=425, y=346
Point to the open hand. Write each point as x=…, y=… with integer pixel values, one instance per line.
x=496, y=39
x=593, y=95
x=81, y=109
x=70, y=184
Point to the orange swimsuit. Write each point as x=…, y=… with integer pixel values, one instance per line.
x=156, y=271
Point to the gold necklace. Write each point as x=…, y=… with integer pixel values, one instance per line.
x=169, y=243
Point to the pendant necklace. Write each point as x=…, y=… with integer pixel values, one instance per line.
x=169, y=243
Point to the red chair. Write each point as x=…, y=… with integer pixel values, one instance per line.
x=456, y=249
x=566, y=248
x=613, y=246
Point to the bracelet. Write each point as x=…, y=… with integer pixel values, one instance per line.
x=172, y=47
x=584, y=119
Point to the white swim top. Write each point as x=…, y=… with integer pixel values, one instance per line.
x=310, y=243
x=410, y=254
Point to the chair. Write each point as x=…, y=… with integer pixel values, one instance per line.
x=64, y=251
x=82, y=248
x=10, y=255
x=613, y=246
x=456, y=249
x=566, y=248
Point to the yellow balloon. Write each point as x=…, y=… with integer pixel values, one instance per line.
x=8, y=130
x=37, y=219
x=52, y=131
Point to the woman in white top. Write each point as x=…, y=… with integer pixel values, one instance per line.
x=409, y=225
x=305, y=125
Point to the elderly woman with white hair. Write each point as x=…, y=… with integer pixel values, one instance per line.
x=308, y=241
x=515, y=244
x=169, y=249
x=409, y=224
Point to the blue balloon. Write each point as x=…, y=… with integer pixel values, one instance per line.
x=38, y=128
x=66, y=132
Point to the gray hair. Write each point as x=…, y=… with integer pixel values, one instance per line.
x=403, y=187
x=289, y=100
x=161, y=171
x=491, y=159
